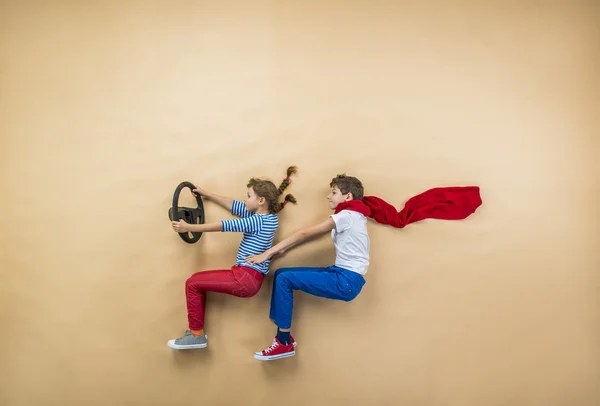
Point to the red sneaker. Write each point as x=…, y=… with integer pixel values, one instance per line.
x=276, y=351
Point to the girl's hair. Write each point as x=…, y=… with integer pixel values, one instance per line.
x=268, y=190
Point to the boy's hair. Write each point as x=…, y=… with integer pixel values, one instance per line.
x=268, y=190
x=348, y=184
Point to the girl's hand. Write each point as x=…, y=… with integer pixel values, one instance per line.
x=181, y=226
x=199, y=191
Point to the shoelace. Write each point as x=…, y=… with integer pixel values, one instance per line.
x=272, y=347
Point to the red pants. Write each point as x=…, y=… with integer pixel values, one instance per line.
x=238, y=281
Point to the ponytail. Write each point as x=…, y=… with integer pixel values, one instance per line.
x=284, y=184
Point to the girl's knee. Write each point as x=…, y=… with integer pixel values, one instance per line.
x=190, y=282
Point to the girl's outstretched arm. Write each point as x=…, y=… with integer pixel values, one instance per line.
x=183, y=227
x=250, y=224
x=223, y=201
x=297, y=238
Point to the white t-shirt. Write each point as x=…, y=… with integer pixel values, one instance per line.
x=351, y=241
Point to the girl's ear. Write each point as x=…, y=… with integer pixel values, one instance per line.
x=262, y=200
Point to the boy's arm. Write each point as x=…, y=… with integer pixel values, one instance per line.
x=295, y=239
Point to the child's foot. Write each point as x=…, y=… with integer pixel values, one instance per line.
x=292, y=341
x=189, y=341
x=276, y=350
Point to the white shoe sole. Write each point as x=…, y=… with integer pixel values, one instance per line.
x=174, y=346
x=261, y=357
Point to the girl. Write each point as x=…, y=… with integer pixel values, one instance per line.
x=258, y=222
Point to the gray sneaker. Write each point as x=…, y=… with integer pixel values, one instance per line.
x=189, y=341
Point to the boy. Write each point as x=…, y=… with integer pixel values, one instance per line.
x=342, y=281
x=348, y=226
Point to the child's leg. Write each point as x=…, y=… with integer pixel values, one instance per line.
x=322, y=282
x=330, y=282
x=278, y=273
x=237, y=281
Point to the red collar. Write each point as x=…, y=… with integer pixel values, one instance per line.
x=354, y=205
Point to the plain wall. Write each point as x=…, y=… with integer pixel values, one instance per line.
x=105, y=107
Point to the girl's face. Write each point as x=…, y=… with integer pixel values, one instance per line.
x=253, y=202
x=336, y=197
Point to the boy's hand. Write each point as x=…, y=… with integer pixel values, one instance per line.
x=257, y=259
x=180, y=226
x=278, y=254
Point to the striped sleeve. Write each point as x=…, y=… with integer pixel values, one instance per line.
x=252, y=224
x=239, y=209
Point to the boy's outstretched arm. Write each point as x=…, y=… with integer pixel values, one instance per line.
x=295, y=239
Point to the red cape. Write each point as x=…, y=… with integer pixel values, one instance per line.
x=443, y=203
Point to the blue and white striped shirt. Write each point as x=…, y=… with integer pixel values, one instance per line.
x=259, y=231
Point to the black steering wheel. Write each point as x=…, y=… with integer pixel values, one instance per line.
x=188, y=214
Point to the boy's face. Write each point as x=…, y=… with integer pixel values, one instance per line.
x=253, y=202
x=336, y=197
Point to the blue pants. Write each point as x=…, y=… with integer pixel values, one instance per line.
x=331, y=282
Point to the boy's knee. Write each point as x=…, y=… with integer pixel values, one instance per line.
x=280, y=271
x=282, y=279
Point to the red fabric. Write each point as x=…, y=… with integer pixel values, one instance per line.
x=444, y=203
x=238, y=281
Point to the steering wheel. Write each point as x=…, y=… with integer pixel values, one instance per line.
x=188, y=214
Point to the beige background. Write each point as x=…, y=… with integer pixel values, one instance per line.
x=106, y=106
